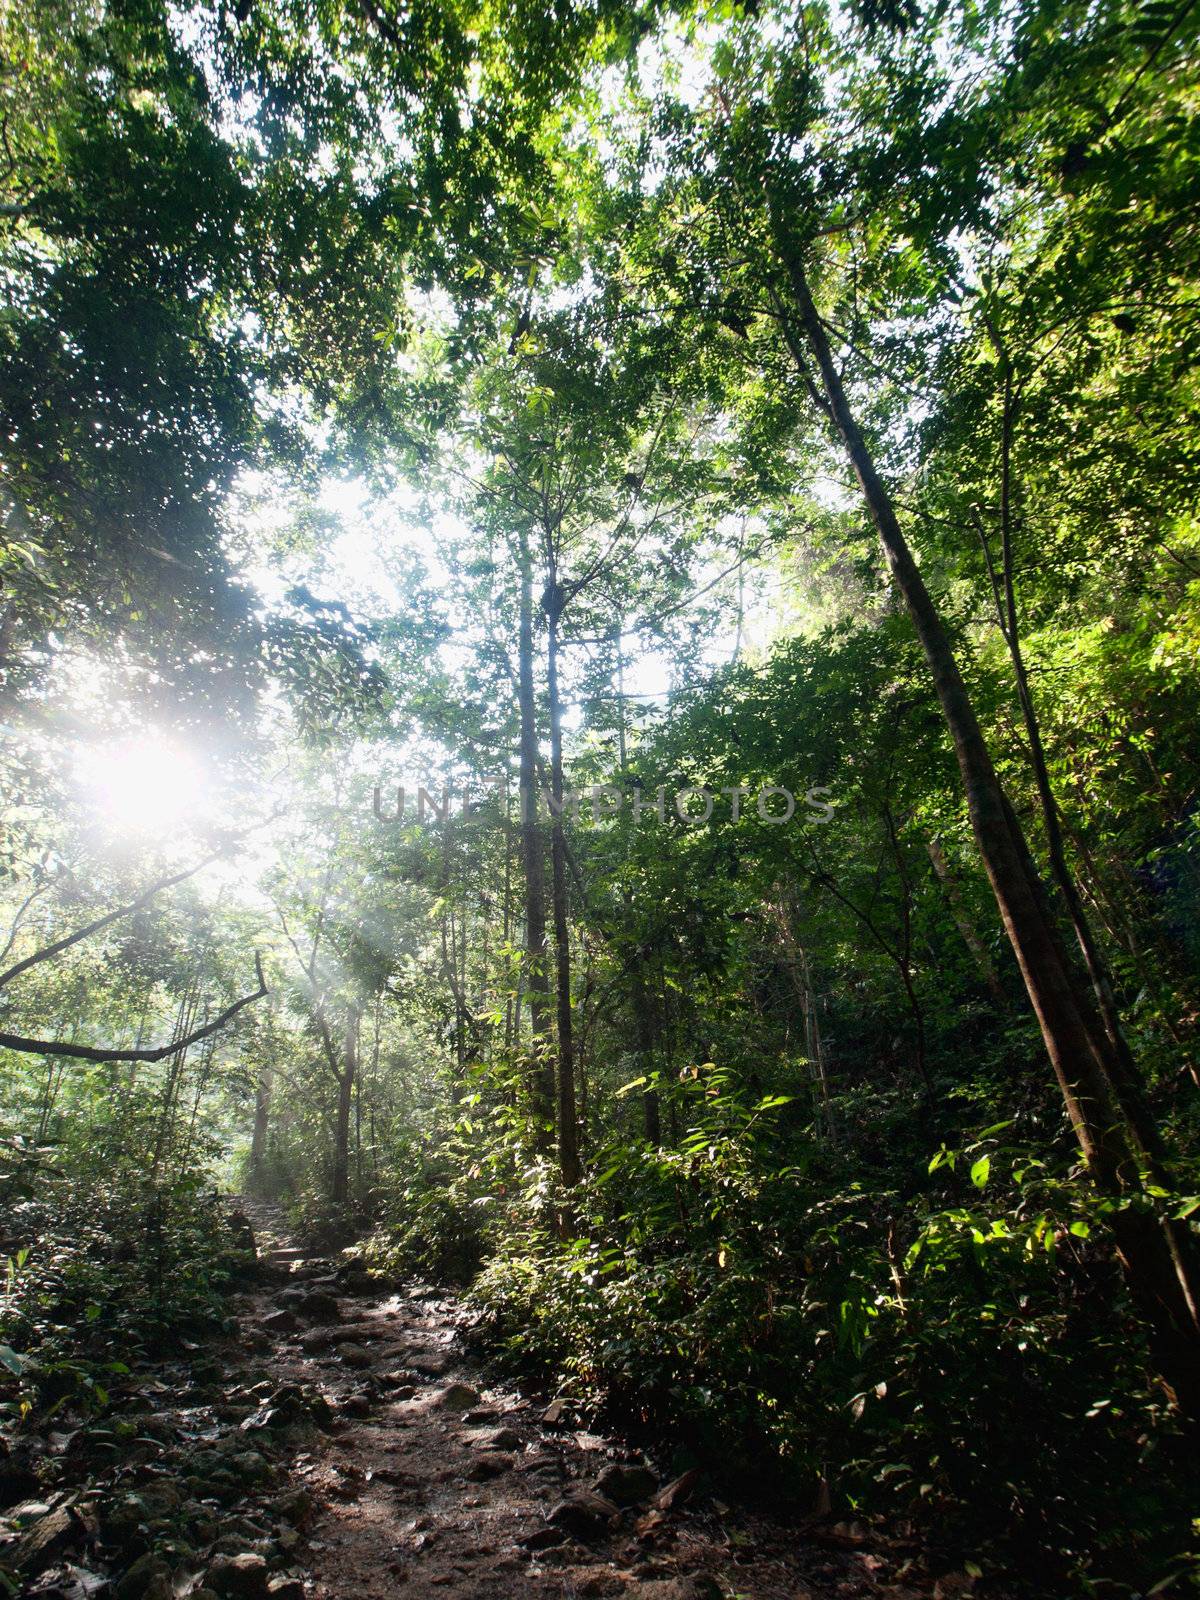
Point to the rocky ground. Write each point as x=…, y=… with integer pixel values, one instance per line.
x=342, y=1445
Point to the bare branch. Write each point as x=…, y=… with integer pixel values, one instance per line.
x=106, y=921
x=15, y=929
x=85, y=1052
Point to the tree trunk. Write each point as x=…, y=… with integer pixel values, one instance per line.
x=568, y=1127
x=622, y=753
x=904, y=955
x=183, y=1026
x=262, y=1119
x=542, y=1074
x=509, y=1007
x=340, y=1188
x=1121, y=1068
x=643, y=1020
x=814, y=1046
x=962, y=918
x=1153, y=1252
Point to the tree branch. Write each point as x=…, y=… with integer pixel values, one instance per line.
x=86, y=1052
x=19, y=919
x=104, y=922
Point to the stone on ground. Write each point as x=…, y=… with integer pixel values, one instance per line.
x=458, y=1397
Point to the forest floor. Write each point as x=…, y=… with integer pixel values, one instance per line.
x=342, y=1446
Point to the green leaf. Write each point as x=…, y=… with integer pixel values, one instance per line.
x=996, y=1127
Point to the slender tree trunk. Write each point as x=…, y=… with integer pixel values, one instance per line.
x=464, y=1002
x=582, y=1077
x=667, y=1043
x=508, y=919
x=54, y=1078
x=643, y=1021
x=1153, y=1252
x=202, y=1079
x=622, y=754
x=813, y=1043
x=262, y=1118
x=183, y=1026
x=816, y=1047
x=568, y=1127
x=904, y=957
x=962, y=918
x=376, y=1044
x=358, y=1161
x=486, y=995
x=536, y=982
x=1154, y=959
x=340, y=1187
x=450, y=963
x=1122, y=1067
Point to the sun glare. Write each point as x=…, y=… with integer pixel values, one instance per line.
x=147, y=786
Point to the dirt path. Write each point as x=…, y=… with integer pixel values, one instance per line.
x=430, y=1480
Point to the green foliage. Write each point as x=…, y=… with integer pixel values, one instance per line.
x=105, y=1268
x=787, y=1321
x=322, y=1223
x=425, y=1227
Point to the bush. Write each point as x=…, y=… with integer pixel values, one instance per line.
x=430, y=1225
x=103, y=1272
x=963, y=1356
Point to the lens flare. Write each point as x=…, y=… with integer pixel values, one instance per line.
x=148, y=786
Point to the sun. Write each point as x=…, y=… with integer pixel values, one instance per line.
x=148, y=785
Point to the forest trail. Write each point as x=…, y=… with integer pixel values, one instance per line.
x=429, y=1478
